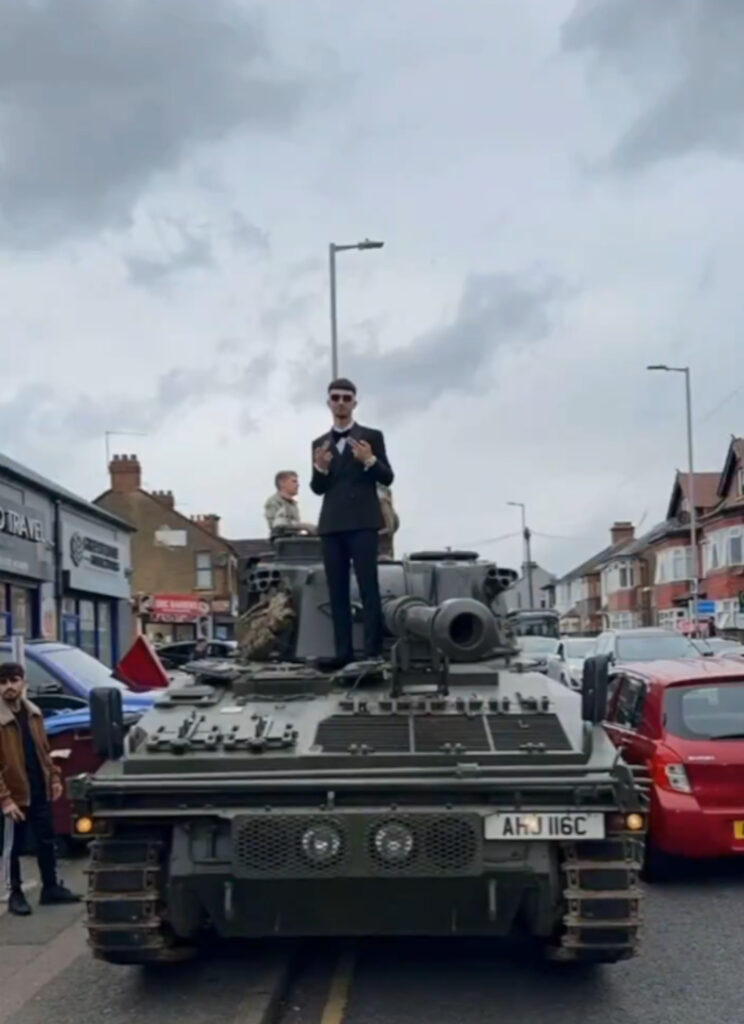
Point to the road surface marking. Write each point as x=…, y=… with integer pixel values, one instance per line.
x=338, y=995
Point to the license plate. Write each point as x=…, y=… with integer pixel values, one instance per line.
x=739, y=830
x=545, y=826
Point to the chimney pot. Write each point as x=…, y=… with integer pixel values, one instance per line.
x=126, y=474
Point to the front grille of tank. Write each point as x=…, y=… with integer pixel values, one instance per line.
x=423, y=845
x=427, y=734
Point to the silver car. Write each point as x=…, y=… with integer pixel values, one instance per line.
x=567, y=664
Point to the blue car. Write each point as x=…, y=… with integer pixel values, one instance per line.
x=60, y=678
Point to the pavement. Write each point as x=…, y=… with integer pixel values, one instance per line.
x=686, y=973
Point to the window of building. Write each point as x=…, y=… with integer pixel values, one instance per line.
x=204, y=570
x=735, y=547
x=674, y=565
x=669, y=617
x=741, y=481
x=622, y=620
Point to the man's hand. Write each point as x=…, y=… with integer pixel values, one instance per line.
x=322, y=457
x=57, y=789
x=361, y=449
x=11, y=809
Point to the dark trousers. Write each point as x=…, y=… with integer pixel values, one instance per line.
x=39, y=820
x=340, y=551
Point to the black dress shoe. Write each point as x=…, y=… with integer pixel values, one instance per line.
x=18, y=904
x=54, y=894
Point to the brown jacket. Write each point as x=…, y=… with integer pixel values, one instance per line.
x=13, y=778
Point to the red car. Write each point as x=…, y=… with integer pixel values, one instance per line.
x=684, y=721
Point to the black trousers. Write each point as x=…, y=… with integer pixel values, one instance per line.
x=39, y=820
x=340, y=551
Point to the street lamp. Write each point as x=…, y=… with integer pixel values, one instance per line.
x=527, y=555
x=694, y=587
x=333, y=248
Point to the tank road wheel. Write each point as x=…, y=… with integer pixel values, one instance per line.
x=602, y=902
x=126, y=903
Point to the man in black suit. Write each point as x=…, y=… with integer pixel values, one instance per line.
x=349, y=461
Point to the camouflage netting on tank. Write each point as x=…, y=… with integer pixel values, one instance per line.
x=266, y=628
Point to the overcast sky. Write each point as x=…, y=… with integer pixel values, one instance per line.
x=559, y=189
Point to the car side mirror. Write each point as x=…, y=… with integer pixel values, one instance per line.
x=107, y=722
x=594, y=688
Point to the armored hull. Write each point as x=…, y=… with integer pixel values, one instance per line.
x=439, y=792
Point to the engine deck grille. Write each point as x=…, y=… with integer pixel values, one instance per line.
x=510, y=732
x=430, y=734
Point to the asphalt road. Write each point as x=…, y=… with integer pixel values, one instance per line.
x=688, y=971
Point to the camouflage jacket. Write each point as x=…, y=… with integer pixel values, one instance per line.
x=280, y=511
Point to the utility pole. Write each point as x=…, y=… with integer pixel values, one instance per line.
x=333, y=248
x=695, y=569
x=526, y=535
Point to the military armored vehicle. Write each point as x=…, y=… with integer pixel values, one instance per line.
x=439, y=791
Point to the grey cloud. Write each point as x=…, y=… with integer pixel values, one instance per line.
x=195, y=252
x=287, y=310
x=246, y=235
x=136, y=86
x=495, y=312
x=685, y=56
x=28, y=416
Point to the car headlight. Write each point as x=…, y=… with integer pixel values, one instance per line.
x=393, y=842
x=321, y=844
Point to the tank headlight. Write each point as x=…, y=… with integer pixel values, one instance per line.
x=83, y=826
x=634, y=822
x=393, y=842
x=321, y=844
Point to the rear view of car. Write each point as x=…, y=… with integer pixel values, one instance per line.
x=699, y=770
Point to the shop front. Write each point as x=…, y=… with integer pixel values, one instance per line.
x=26, y=561
x=96, y=611
x=169, y=618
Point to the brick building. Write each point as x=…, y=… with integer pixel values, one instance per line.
x=579, y=594
x=184, y=574
x=722, y=542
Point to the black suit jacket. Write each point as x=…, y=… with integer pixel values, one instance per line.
x=349, y=490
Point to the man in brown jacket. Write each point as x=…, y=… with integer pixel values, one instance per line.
x=29, y=781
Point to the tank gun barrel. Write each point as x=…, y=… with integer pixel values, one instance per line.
x=461, y=628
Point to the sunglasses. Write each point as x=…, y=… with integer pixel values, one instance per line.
x=341, y=398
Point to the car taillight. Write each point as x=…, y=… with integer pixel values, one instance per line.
x=668, y=771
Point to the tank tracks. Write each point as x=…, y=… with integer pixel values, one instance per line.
x=125, y=908
x=602, y=923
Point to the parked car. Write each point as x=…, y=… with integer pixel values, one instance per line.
x=534, y=651
x=567, y=664
x=684, y=721
x=720, y=647
x=178, y=654
x=60, y=677
x=645, y=644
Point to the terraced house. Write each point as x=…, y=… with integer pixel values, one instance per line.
x=647, y=580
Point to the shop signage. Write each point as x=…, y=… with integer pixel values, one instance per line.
x=94, y=552
x=96, y=557
x=21, y=525
x=173, y=607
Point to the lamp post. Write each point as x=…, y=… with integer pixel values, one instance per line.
x=333, y=248
x=527, y=555
x=694, y=582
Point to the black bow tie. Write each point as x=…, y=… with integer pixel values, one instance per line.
x=338, y=434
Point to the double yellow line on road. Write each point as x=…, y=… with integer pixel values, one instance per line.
x=338, y=993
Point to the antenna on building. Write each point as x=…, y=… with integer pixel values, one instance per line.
x=120, y=433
